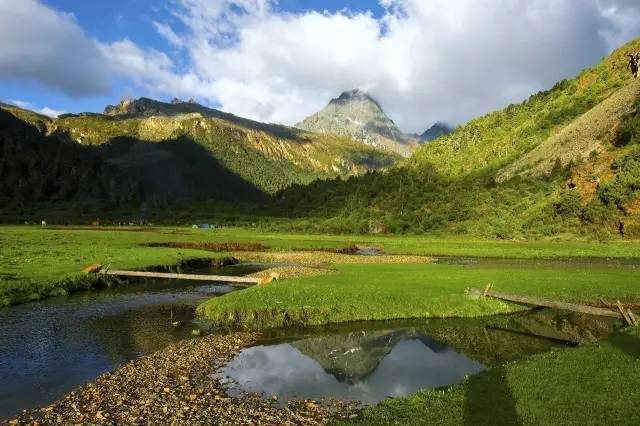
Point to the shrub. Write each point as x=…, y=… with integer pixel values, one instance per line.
x=626, y=184
x=568, y=204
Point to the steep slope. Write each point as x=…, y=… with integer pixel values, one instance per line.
x=35, y=169
x=269, y=157
x=356, y=114
x=565, y=161
x=499, y=138
x=585, y=136
x=39, y=121
x=160, y=154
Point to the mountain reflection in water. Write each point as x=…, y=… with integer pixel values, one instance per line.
x=363, y=366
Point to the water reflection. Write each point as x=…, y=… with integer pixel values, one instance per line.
x=362, y=366
x=372, y=361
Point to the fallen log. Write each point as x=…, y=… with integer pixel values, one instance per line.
x=195, y=277
x=548, y=303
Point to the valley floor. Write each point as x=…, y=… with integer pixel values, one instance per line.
x=593, y=384
x=39, y=262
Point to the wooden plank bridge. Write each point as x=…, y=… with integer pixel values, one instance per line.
x=230, y=279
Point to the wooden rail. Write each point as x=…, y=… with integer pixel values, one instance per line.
x=620, y=313
x=195, y=277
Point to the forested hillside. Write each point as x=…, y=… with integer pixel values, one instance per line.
x=174, y=153
x=564, y=161
x=35, y=168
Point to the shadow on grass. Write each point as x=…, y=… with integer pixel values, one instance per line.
x=627, y=343
x=489, y=400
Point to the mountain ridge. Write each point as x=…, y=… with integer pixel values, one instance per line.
x=184, y=150
x=564, y=161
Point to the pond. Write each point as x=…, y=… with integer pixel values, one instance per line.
x=374, y=361
x=379, y=366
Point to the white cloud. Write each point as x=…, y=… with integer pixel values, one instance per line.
x=167, y=32
x=424, y=60
x=50, y=112
x=39, y=44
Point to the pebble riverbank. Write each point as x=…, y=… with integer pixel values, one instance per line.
x=179, y=385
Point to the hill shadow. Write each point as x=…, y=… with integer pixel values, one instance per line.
x=177, y=169
x=37, y=168
x=489, y=400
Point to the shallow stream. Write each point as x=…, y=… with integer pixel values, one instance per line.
x=49, y=347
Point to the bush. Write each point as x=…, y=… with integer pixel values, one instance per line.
x=597, y=213
x=568, y=204
x=629, y=132
x=626, y=184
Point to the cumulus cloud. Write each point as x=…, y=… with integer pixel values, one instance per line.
x=42, y=45
x=424, y=60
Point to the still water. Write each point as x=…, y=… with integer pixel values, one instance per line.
x=296, y=370
x=373, y=361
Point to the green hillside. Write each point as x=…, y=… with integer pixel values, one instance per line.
x=36, y=168
x=183, y=151
x=499, y=138
x=564, y=161
x=269, y=159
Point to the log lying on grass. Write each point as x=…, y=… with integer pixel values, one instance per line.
x=620, y=313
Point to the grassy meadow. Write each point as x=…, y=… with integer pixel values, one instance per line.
x=396, y=291
x=590, y=385
x=37, y=262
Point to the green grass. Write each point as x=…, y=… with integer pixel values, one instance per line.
x=397, y=291
x=499, y=137
x=593, y=384
x=36, y=262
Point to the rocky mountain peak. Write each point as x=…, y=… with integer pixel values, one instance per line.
x=357, y=114
x=148, y=107
x=440, y=128
x=355, y=95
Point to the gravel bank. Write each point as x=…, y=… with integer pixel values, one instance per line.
x=177, y=385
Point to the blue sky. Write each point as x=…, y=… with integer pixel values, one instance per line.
x=109, y=21
x=424, y=61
